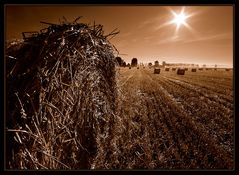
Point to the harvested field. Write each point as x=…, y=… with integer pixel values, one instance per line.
x=164, y=121
x=70, y=107
x=169, y=121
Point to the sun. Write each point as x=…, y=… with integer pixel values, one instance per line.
x=180, y=19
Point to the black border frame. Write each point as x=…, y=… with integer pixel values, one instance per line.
x=233, y=3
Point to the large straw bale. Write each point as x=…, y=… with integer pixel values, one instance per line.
x=61, y=92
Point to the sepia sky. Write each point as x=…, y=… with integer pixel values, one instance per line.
x=146, y=32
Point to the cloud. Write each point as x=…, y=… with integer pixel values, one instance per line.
x=149, y=22
x=186, y=39
x=214, y=37
x=154, y=23
x=126, y=34
x=170, y=39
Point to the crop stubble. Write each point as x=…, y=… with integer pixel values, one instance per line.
x=174, y=122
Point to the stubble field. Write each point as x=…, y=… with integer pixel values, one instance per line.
x=170, y=121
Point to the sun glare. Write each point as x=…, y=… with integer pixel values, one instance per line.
x=180, y=19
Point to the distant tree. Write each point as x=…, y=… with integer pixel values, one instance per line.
x=124, y=64
x=204, y=65
x=119, y=61
x=215, y=66
x=128, y=65
x=150, y=64
x=164, y=63
x=134, y=62
x=156, y=63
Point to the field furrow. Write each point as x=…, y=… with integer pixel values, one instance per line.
x=208, y=84
x=172, y=122
x=218, y=119
x=166, y=122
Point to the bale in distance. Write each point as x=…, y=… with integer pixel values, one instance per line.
x=156, y=70
x=194, y=70
x=167, y=69
x=173, y=69
x=181, y=71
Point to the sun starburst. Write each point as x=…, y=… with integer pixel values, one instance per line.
x=180, y=19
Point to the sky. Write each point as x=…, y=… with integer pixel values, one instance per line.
x=147, y=33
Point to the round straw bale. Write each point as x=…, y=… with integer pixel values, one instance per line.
x=61, y=88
